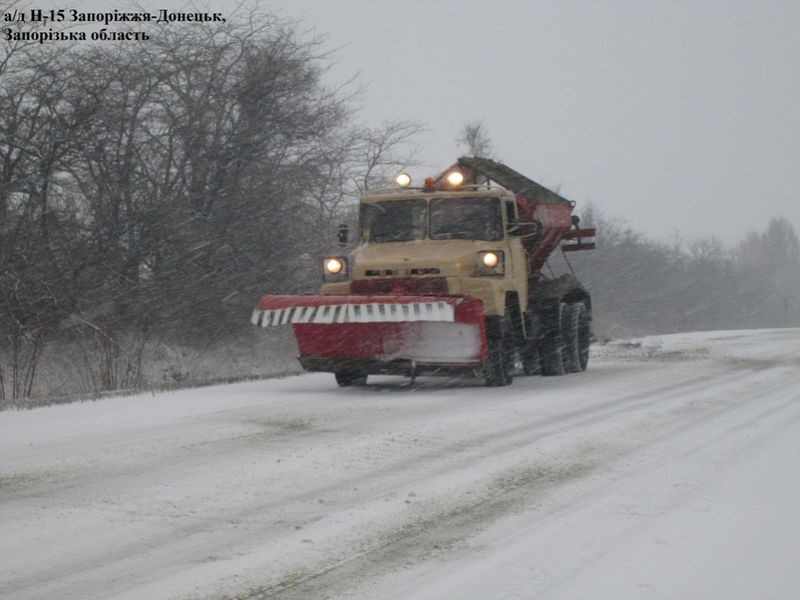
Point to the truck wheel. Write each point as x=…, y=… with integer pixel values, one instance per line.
x=584, y=335
x=531, y=364
x=550, y=341
x=500, y=366
x=348, y=378
x=570, y=350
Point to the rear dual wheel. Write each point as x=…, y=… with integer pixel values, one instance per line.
x=575, y=332
x=564, y=343
x=531, y=363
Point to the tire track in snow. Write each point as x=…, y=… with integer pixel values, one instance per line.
x=412, y=470
x=434, y=535
x=81, y=473
x=723, y=449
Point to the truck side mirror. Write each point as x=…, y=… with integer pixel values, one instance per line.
x=343, y=235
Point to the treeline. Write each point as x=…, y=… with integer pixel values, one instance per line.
x=156, y=189
x=641, y=286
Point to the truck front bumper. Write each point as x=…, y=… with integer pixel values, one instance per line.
x=381, y=333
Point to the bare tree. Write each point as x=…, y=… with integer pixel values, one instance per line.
x=475, y=140
x=42, y=121
x=256, y=129
x=164, y=185
x=383, y=151
x=153, y=191
x=772, y=262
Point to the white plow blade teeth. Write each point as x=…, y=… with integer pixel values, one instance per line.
x=374, y=312
x=341, y=313
x=318, y=318
x=443, y=312
x=323, y=315
x=423, y=311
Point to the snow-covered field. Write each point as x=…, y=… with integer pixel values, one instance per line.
x=670, y=469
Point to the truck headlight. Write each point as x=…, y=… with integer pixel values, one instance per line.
x=455, y=178
x=334, y=267
x=491, y=262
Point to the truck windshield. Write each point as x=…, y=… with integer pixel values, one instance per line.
x=394, y=221
x=466, y=219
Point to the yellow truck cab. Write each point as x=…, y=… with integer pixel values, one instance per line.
x=445, y=243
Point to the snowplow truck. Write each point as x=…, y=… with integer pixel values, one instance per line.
x=447, y=278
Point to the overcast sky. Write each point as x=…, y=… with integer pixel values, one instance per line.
x=676, y=115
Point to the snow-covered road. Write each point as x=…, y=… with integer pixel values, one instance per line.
x=671, y=469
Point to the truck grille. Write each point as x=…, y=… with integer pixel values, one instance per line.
x=389, y=272
x=429, y=286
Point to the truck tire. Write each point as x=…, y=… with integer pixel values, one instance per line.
x=500, y=365
x=531, y=364
x=550, y=341
x=529, y=348
x=570, y=351
x=584, y=336
x=350, y=378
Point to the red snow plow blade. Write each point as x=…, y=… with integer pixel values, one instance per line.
x=381, y=334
